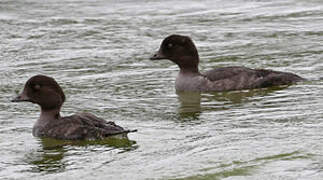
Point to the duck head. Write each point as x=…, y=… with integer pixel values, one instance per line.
x=44, y=91
x=179, y=49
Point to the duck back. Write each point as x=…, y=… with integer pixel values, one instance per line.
x=81, y=126
x=235, y=78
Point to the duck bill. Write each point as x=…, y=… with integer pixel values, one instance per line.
x=157, y=56
x=20, y=98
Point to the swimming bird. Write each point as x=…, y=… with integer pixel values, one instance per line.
x=182, y=51
x=46, y=92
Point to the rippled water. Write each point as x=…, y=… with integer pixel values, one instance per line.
x=98, y=51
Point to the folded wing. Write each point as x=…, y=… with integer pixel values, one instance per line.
x=84, y=126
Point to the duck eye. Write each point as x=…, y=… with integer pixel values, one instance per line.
x=36, y=87
x=170, y=45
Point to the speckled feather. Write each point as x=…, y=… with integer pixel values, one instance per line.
x=80, y=126
x=235, y=78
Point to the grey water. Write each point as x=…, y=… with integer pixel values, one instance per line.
x=99, y=50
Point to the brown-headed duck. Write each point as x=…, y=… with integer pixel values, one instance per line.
x=182, y=51
x=46, y=92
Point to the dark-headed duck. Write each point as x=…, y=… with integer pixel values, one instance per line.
x=46, y=92
x=182, y=51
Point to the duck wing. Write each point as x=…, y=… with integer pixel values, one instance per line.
x=237, y=78
x=226, y=72
x=276, y=78
x=84, y=126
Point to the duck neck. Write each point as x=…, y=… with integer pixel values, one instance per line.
x=188, y=64
x=189, y=70
x=51, y=114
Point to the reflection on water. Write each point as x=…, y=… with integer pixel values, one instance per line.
x=50, y=158
x=237, y=97
x=121, y=143
x=190, y=102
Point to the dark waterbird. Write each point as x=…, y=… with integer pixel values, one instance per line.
x=46, y=92
x=182, y=51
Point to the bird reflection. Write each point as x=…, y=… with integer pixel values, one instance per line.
x=192, y=104
x=50, y=158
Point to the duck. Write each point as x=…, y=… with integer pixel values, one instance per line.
x=47, y=93
x=182, y=51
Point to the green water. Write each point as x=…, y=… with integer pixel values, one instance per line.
x=98, y=51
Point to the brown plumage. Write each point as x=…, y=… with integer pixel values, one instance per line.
x=46, y=92
x=182, y=51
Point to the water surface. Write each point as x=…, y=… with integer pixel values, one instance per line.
x=99, y=53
